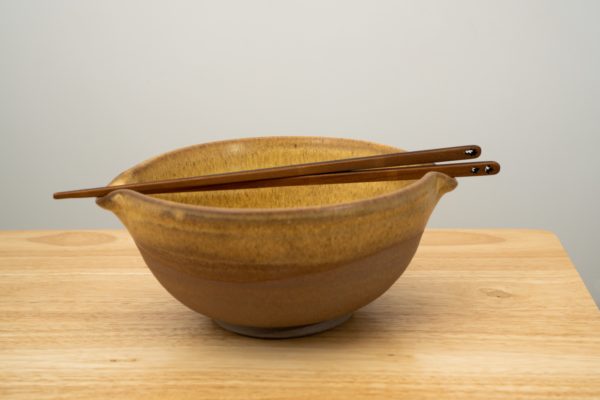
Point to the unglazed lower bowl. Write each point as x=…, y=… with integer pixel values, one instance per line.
x=275, y=262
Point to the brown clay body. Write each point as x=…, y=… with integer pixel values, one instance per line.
x=275, y=257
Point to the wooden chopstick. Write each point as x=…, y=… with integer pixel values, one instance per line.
x=372, y=175
x=321, y=167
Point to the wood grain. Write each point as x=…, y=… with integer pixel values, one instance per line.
x=482, y=314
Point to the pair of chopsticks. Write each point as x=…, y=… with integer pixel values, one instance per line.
x=361, y=169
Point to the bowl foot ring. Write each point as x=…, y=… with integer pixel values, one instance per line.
x=285, y=333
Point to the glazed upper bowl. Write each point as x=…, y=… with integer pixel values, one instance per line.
x=273, y=259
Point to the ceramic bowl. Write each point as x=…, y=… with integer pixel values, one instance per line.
x=275, y=262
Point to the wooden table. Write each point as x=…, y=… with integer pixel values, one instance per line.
x=479, y=314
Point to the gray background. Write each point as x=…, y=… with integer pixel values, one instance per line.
x=88, y=89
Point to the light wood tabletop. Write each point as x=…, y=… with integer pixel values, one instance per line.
x=480, y=314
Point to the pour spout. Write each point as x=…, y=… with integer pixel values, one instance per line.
x=113, y=201
x=444, y=183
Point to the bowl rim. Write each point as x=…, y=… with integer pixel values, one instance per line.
x=366, y=204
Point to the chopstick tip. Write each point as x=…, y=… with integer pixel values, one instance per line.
x=473, y=151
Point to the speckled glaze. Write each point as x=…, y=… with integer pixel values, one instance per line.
x=275, y=257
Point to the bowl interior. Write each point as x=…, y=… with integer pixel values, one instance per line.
x=236, y=155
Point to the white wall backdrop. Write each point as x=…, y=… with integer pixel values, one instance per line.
x=89, y=88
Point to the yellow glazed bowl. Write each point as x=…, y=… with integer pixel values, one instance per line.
x=275, y=262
